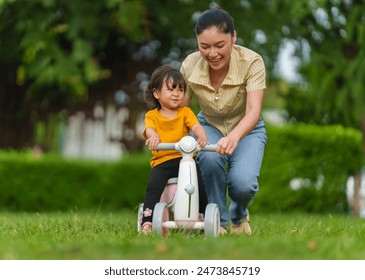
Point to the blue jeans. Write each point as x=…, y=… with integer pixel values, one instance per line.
x=239, y=172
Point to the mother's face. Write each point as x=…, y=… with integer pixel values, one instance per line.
x=216, y=47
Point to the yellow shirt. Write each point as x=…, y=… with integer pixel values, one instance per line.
x=169, y=131
x=224, y=108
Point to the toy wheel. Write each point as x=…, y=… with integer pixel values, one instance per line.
x=160, y=215
x=211, y=220
x=139, y=217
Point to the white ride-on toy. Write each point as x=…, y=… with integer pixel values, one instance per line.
x=179, y=204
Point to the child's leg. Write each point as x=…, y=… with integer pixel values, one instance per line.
x=155, y=187
x=158, y=178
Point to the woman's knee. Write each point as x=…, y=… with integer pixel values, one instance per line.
x=210, y=160
x=243, y=187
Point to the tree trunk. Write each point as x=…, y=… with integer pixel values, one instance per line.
x=16, y=128
x=357, y=199
x=362, y=128
x=357, y=177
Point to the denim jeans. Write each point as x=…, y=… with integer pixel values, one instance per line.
x=238, y=172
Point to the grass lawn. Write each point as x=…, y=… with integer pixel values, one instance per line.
x=106, y=236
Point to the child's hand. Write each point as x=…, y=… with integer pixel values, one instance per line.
x=152, y=142
x=202, y=142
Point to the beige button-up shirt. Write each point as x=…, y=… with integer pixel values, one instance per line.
x=225, y=107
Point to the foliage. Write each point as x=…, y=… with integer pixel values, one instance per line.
x=306, y=168
x=113, y=236
x=176, y=31
x=56, y=184
x=322, y=157
x=329, y=36
x=59, y=54
x=62, y=44
x=56, y=43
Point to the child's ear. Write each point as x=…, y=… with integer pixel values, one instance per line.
x=156, y=94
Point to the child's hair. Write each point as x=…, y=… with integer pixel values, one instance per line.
x=215, y=17
x=162, y=74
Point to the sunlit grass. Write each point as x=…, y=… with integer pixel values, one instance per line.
x=92, y=235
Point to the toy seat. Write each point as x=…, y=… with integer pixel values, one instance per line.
x=169, y=191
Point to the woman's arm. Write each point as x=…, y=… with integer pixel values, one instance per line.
x=228, y=144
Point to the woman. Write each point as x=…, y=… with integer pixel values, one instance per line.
x=228, y=81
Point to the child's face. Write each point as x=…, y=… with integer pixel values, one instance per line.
x=169, y=97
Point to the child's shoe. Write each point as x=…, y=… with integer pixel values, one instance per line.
x=146, y=228
x=222, y=231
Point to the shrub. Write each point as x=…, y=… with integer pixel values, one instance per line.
x=321, y=158
x=49, y=184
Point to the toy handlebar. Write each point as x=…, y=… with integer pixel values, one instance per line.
x=187, y=144
x=209, y=148
x=172, y=146
x=166, y=146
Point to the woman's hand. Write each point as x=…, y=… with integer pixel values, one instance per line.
x=226, y=145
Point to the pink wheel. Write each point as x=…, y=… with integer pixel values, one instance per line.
x=139, y=217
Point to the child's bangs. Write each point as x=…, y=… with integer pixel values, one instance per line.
x=176, y=79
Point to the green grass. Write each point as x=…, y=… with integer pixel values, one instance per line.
x=93, y=235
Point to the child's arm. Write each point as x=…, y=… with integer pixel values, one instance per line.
x=200, y=134
x=152, y=138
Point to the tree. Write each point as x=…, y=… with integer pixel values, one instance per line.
x=51, y=52
x=59, y=54
x=329, y=36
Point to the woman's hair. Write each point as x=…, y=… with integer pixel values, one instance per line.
x=162, y=74
x=215, y=17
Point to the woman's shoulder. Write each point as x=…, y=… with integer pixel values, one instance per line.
x=191, y=61
x=246, y=53
x=192, y=57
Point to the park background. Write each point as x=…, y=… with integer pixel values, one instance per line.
x=71, y=101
